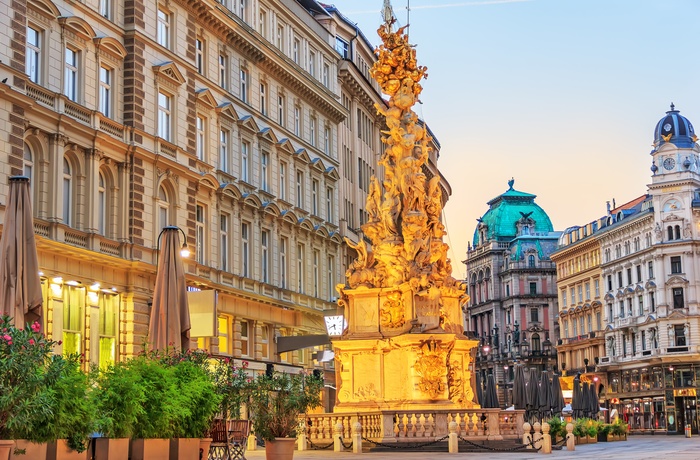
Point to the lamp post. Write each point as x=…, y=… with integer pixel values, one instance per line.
x=505, y=385
x=185, y=250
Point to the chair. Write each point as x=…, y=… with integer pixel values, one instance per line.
x=229, y=439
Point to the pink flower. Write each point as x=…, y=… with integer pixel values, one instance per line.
x=31, y=341
x=7, y=337
x=60, y=342
x=226, y=360
x=245, y=364
x=36, y=327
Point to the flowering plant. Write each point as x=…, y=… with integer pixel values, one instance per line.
x=231, y=382
x=25, y=397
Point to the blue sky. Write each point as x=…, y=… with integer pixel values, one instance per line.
x=562, y=95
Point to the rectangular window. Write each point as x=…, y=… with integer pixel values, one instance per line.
x=596, y=285
x=73, y=314
x=312, y=63
x=678, y=301
x=330, y=214
x=301, y=281
x=300, y=189
x=314, y=197
x=330, y=277
x=676, y=265
x=610, y=285
x=265, y=256
x=200, y=234
x=244, y=86
x=265, y=171
x=284, y=244
x=317, y=257
x=297, y=121
x=342, y=47
x=588, y=291
x=629, y=276
x=598, y=322
x=279, y=38
x=327, y=141
x=245, y=161
x=534, y=315
x=644, y=342
x=70, y=84
x=651, y=270
x=295, y=50
x=679, y=332
x=265, y=341
x=574, y=323
x=639, y=273
x=563, y=297
x=245, y=249
x=652, y=302
x=283, y=181
x=566, y=329
x=312, y=131
x=163, y=32
x=263, y=99
x=33, y=58
x=325, y=76
x=262, y=23
x=242, y=9
x=201, y=138
x=106, y=8
x=245, y=338
x=224, y=335
x=164, y=112
x=629, y=307
x=224, y=137
x=281, y=111
x=640, y=305
x=580, y=293
x=223, y=71
x=199, y=55
x=224, y=223
x=572, y=292
x=619, y=279
x=109, y=318
x=106, y=91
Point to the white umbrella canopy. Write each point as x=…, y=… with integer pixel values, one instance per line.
x=20, y=285
x=169, y=325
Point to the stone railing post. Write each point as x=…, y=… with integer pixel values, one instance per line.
x=453, y=440
x=302, y=443
x=387, y=434
x=337, y=437
x=519, y=420
x=357, y=438
x=527, y=437
x=537, y=437
x=546, y=439
x=570, y=440
x=494, y=428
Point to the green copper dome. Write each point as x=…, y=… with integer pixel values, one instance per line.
x=506, y=210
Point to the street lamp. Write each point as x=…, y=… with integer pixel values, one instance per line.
x=505, y=385
x=185, y=250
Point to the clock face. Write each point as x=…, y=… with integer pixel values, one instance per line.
x=335, y=325
x=669, y=163
x=667, y=127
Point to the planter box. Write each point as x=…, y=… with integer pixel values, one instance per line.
x=150, y=449
x=605, y=438
x=581, y=440
x=31, y=450
x=59, y=450
x=112, y=449
x=184, y=449
x=280, y=449
x=592, y=439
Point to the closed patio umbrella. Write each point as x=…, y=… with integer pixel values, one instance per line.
x=519, y=388
x=169, y=326
x=479, y=390
x=491, y=395
x=593, y=400
x=557, y=397
x=545, y=396
x=576, y=398
x=20, y=285
x=585, y=400
x=533, y=393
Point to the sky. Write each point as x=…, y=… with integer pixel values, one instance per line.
x=561, y=95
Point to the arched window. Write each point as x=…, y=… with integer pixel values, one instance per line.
x=67, y=192
x=531, y=261
x=101, y=205
x=670, y=232
x=163, y=209
x=28, y=171
x=535, y=343
x=677, y=229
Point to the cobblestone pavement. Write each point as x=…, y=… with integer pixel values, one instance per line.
x=658, y=447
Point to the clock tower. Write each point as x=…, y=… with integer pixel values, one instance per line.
x=675, y=186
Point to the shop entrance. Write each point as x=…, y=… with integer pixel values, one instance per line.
x=686, y=412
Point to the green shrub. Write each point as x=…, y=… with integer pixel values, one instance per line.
x=119, y=399
x=557, y=427
x=198, y=400
x=619, y=427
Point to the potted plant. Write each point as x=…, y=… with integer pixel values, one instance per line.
x=275, y=403
x=119, y=398
x=230, y=380
x=619, y=429
x=24, y=397
x=592, y=430
x=73, y=418
x=580, y=431
x=604, y=432
x=556, y=428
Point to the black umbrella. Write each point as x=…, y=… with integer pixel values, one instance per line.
x=545, y=396
x=479, y=389
x=593, y=399
x=586, y=400
x=491, y=396
x=533, y=394
x=557, y=397
x=519, y=388
x=576, y=398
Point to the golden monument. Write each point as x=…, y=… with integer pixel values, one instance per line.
x=404, y=346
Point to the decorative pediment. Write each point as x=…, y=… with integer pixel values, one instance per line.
x=169, y=73
x=78, y=26
x=671, y=217
x=321, y=230
x=271, y=209
x=609, y=297
x=252, y=200
x=332, y=172
x=638, y=288
x=649, y=319
x=596, y=304
x=266, y=134
x=110, y=46
x=586, y=306
x=230, y=190
x=676, y=280
x=650, y=285
x=676, y=313
x=226, y=109
x=209, y=180
x=629, y=290
x=609, y=328
x=335, y=237
x=46, y=7
x=620, y=294
x=204, y=96
x=318, y=165
x=285, y=145
x=247, y=122
x=302, y=155
x=289, y=216
x=563, y=312
x=306, y=224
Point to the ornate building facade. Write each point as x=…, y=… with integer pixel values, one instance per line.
x=237, y=121
x=649, y=269
x=512, y=287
